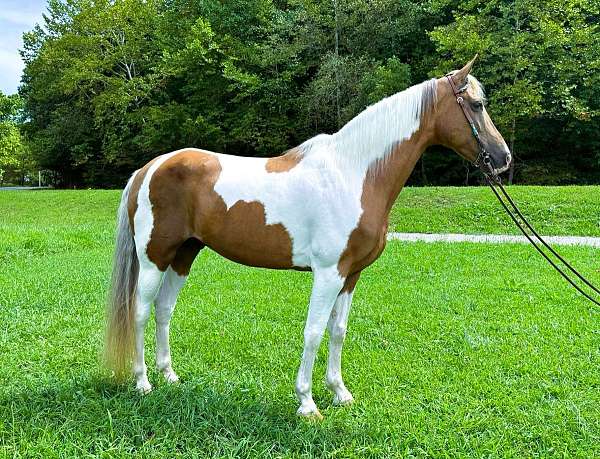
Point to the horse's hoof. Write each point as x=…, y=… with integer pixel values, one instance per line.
x=144, y=388
x=343, y=400
x=310, y=414
x=171, y=377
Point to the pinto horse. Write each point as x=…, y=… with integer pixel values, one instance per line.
x=322, y=207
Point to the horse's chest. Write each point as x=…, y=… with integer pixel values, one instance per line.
x=364, y=246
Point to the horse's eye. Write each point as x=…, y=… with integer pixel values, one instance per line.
x=477, y=106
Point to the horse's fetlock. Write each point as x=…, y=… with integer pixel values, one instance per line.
x=338, y=332
x=302, y=388
x=333, y=381
x=163, y=363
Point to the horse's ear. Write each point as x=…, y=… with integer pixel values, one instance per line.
x=460, y=77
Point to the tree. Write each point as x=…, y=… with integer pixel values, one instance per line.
x=539, y=60
x=109, y=84
x=14, y=157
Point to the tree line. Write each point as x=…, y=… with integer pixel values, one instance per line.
x=109, y=84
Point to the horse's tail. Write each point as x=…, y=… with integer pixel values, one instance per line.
x=121, y=299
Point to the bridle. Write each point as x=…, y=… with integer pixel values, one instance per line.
x=484, y=163
x=483, y=158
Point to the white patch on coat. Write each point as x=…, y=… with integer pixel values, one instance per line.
x=316, y=203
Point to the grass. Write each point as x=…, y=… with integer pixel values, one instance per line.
x=560, y=210
x=453, y=349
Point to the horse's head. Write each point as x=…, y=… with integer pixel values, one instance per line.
x=452, y=125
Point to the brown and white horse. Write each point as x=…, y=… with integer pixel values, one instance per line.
x=322, y=206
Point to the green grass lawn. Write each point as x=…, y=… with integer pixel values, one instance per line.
x=452, y=349
x=560, y=210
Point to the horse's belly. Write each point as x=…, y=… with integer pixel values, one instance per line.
x=242, y=235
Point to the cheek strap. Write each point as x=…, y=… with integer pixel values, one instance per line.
x=483, y=159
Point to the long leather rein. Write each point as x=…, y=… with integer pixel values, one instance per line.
x=484, y=163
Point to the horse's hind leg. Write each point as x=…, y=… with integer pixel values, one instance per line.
x=337, y=325
x=165, y=304
x=149, y=280
x=173, y=281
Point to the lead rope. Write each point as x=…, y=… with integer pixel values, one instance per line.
x=554, y=252
x=483, y=161
x=492, y=184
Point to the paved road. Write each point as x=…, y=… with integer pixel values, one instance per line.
x=492, y=239
x=13, y=188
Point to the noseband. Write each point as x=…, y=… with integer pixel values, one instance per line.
x=483, y=160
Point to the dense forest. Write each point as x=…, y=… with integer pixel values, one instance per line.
x=109, y=84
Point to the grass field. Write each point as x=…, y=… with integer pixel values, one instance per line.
x=453, y=349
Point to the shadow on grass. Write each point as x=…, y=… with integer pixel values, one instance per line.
x=95, y=415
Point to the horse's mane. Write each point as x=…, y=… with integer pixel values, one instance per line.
x=372, y=134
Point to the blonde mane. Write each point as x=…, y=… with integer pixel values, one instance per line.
x=371, y=135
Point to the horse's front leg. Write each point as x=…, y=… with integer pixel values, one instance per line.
x=326, y=287
x=338, y=322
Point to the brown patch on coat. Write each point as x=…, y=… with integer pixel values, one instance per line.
x=185, y=256
x=285, y=162
x=189, y=214
x=380, y=190
x=350, y=283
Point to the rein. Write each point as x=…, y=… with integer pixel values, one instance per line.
x=484, y=163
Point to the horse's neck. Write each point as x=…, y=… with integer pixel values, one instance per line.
x=385, y=180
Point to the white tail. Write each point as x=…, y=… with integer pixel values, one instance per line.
x=121, y=300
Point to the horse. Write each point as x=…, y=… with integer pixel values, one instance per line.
x=322, y=207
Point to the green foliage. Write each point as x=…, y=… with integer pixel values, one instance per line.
x=15, y=159
x=539, y=61
x=110, y=84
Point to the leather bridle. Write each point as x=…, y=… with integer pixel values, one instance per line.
x=483, y=160
x=484, y=163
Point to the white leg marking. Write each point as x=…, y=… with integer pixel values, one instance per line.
x=148, y=284
x=337, y=325
x=165, y=304
x=326, y=287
